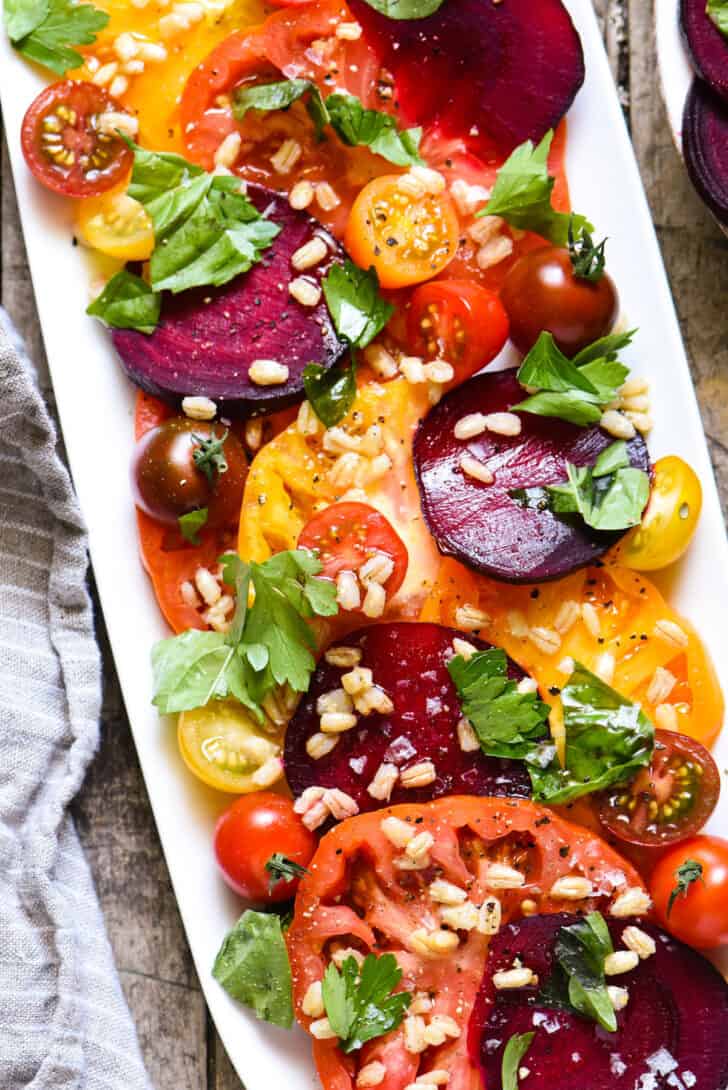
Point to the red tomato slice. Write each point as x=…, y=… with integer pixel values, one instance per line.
x=458, y=321
x=357, y=896
x=64, y=145
x=346, y=535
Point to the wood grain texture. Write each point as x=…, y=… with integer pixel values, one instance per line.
x=179, y=1043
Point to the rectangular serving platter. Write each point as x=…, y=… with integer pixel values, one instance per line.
x=95, y=404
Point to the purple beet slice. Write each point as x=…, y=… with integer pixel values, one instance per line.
x=409, y=661
x=207, y=338
x=705, y=146
x=481, y=524
x=706, y=45
x=672, y=1033
x=492, y=74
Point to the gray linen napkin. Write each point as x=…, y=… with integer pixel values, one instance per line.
x=63, y=1018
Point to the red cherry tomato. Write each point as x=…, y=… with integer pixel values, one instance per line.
x=541, y=293
x=458, y=321
x=64, y=144
x=699, y=913
x=667, y=802
x=252, y=830
x=346, y=535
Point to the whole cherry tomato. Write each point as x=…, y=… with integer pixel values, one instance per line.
x=696, y=872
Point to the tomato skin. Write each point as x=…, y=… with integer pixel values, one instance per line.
x=458, y=321
x=541, y=293
x=168, y=484
x=670, y=519
x=346, y=535
x=117, y=225
x=62, y=122
x=248, y=833
x=384, y=225
x=700, y=917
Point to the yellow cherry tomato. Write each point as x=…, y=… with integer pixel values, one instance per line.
x=669, y=521
x=407, y=238
x=117, y=225
x=226, y=748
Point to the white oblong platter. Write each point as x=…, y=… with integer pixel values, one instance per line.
x=95, y=404
x=676, y=74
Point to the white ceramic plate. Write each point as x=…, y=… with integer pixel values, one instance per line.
x=676, y=75
x=95, y=403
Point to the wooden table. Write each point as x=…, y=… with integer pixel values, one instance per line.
x=112, y=812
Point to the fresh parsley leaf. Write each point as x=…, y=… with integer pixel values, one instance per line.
x=718, y=12
x=357, y=309
x=507, y=723
x=331, y=391
x=516, y=1048
x=522, y=195
x=253, y=967
x=686, y=874
x=406, y=9
x=578, y=982
x=587, y=259
x=608, y=740
x=208, y=454
x=127, y=302
x=361, y=1004
x=282, y=869
x=44, y=31
x=611, y=495
x=191, y=524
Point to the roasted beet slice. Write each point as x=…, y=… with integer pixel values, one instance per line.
x=706, y=45
x=207, y=338
x=705, y=146
x=409, y=661
x=481, y=524
x=491, y=74
x=671, y=1034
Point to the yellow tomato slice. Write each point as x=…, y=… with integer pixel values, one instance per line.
x=117, y=225
x=670, y=519
x=225, y=747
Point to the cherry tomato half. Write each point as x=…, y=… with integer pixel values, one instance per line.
x=541, y=293
x=224, y=746
x=252, y=830
x=65, y=144
x=699, y=915
x=458, y=321
x=169, y=481
x=669, y=520
x=407, y=239
x=347, y=535
x=117, y=225
x=668, y=801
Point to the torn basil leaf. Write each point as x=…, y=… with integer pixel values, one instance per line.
x=578, y=982
x=253, y=967
x=127, y=302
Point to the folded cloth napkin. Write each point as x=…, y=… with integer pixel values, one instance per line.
x=63, y=1018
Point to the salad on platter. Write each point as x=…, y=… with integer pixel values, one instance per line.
x=396, y=502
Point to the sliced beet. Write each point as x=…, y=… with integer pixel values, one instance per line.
x=481, y=524
x=705, y=146
x=672, y=1033
x=492, y=74
x=706, y=45
x=409, y=661
x=207, y=338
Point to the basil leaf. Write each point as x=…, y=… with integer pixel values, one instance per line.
x=331, y=391
x=522, y=195
x=406, y=9
x=191, y=524
x=357, y=309
x=610, y=496
x=156, y=173
x=516, y=1048
x=605, y=348
x=361, y=1004
x=578, y=982
x=46, y=32
x=571, y=406
x=253, y=967
x=378, y=131
x=127, y=302
x=547, y=367
x=270, y=96
x=718, y=12
x=608, y=740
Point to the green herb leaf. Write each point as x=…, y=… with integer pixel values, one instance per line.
x=686, y=874
x=253, y=967
x=271, y=96
x=606, y=348
x=192, y=669
x=508, y=723
x=45, y=30
x=406, y=9
x=127, y=302
x=718, y=12
x=191, y=524
x=587, y=260
x=208, y=454
x=572, y=405
x=282, y=869
x=605, y=498
x=608, y=740
x=331, y=391
x=361, y=1004
x=516, y=1048
x=357, y=309
x=522, y=195
x=578, y=982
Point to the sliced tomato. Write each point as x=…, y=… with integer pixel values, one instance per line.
x=458, y=321
x=225, y=747
x=117, y=225
x=356, y=895
x=347, y=535
x=66, y=146
x=668, y=801
x=670, y=519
